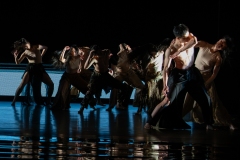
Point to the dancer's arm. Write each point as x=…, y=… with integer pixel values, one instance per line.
x=86, y=65
x=191, y=43
x=20, y=59
x=43, y=48
x=62, y=59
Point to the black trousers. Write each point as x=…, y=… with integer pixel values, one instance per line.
x=180, y=82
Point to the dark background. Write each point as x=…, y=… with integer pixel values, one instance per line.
x=108, y=23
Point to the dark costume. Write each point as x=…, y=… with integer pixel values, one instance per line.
x=33, y=88
x=99, y=81
x=180, y=82
x=63, y=97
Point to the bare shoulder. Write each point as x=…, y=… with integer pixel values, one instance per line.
x=201, y=43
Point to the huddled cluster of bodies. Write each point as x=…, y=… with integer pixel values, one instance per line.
x=170, y=79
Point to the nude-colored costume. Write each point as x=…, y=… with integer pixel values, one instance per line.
x=205, y=62
x=125, y=73
x=78, y=80
x=154, y=80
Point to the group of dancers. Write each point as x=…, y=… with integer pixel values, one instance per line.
x=170, y=78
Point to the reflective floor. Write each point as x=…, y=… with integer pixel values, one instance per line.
x=35, y=132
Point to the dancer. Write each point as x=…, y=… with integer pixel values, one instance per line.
x=34, y=72
x=183, y=78
x=70, y=59
x=209, y=59
x=124, y=72
x=88, y=73
x=100, y=78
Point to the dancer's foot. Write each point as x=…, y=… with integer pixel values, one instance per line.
x=26, y=103
x=147, y=126
x=209, y=127
x=48, y=104
x=109, y=108
x=232, y=127
x=100, y=104
x=139, y=111
x=92, y=107
x=13, y=104
x=120, y=106
x=81, y=110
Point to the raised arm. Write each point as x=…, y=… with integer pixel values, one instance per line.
x=191, y=43
x=61, y=58
x=20, y=59
x=91, y=62
x=86, y=64
x=43, y=48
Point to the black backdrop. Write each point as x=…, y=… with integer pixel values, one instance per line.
x=108, y=23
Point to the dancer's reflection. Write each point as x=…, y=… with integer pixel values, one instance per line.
x=29, y=126
x=89, y=139
x=62, y=125
x=47, y=132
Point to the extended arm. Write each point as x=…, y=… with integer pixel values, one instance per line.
x=62, y=56
x=191, y=43
x=20, y=59
x=43, y=48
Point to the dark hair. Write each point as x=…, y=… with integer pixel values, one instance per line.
x=229, y=47
x=164, y=44
x=96, y=49
x=68, y=56
x=17, y=45
x=180, y=30
x=55, y=59
x=229, y=42
x=142, y=54
x=74, y=46
x=56, y=55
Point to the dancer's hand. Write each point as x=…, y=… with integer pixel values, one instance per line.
x=165, y=90
x=66, y=48
x=110, y=71
x=174, y=55
x=15, y=53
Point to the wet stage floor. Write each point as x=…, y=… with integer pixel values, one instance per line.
x=35, y=132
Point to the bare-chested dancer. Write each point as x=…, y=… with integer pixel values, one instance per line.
x=34, y=54
x=70, y=59
x=208, y=61
x=100, y=78
x=87, y=72
x=183, y=78
x=124, y=72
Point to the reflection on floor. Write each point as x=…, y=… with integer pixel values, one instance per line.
x=35, y=132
